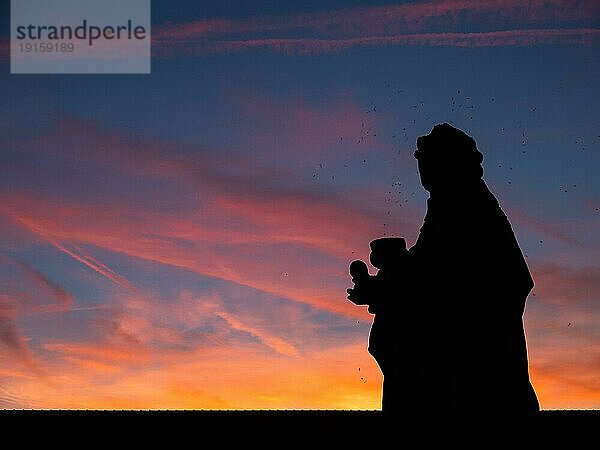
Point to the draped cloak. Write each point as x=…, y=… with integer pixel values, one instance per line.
x=450, y=339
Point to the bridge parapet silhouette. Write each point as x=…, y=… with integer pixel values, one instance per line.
x=269, y=428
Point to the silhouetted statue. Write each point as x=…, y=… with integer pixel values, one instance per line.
x=448, y=331
x=389, y=255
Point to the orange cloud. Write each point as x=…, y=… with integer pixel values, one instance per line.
x=209, y=378
x=133, y=363
x=562, y=334
x=564, y=378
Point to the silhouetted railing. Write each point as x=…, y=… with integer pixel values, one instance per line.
x=187, y=429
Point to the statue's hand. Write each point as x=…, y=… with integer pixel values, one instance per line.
x=365, y=291
x=361, y=279
x=357, y=295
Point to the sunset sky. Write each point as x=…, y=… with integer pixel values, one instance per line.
x=182, y=239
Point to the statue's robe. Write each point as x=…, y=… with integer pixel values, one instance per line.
x=454, y=340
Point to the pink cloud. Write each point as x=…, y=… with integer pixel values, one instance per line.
x=152, y=324
x=307, y=134
x=562, y=335
x=214, y=248
x=544, y=228
x=293, y=130
x=13, y=344
x=389, y=19
x=54, y=298
x=285, y=242
x=24, y=290
x=276, y=343
x=562, y=305
x=315, y=46
x=563, y=285
x=427, y=23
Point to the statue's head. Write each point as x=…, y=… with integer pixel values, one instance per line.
x=448, y=159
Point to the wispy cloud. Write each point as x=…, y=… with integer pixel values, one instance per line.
x=544, y=228
x=282, y=241
x=467, y=23
x=463, y=23
x=294, y=132
x=25, y=291
x=55, y=297
x=316, y=46
x=80, y=255
x=391, y=19
x=276, y=343
x=12, y=340
x=564, y=284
